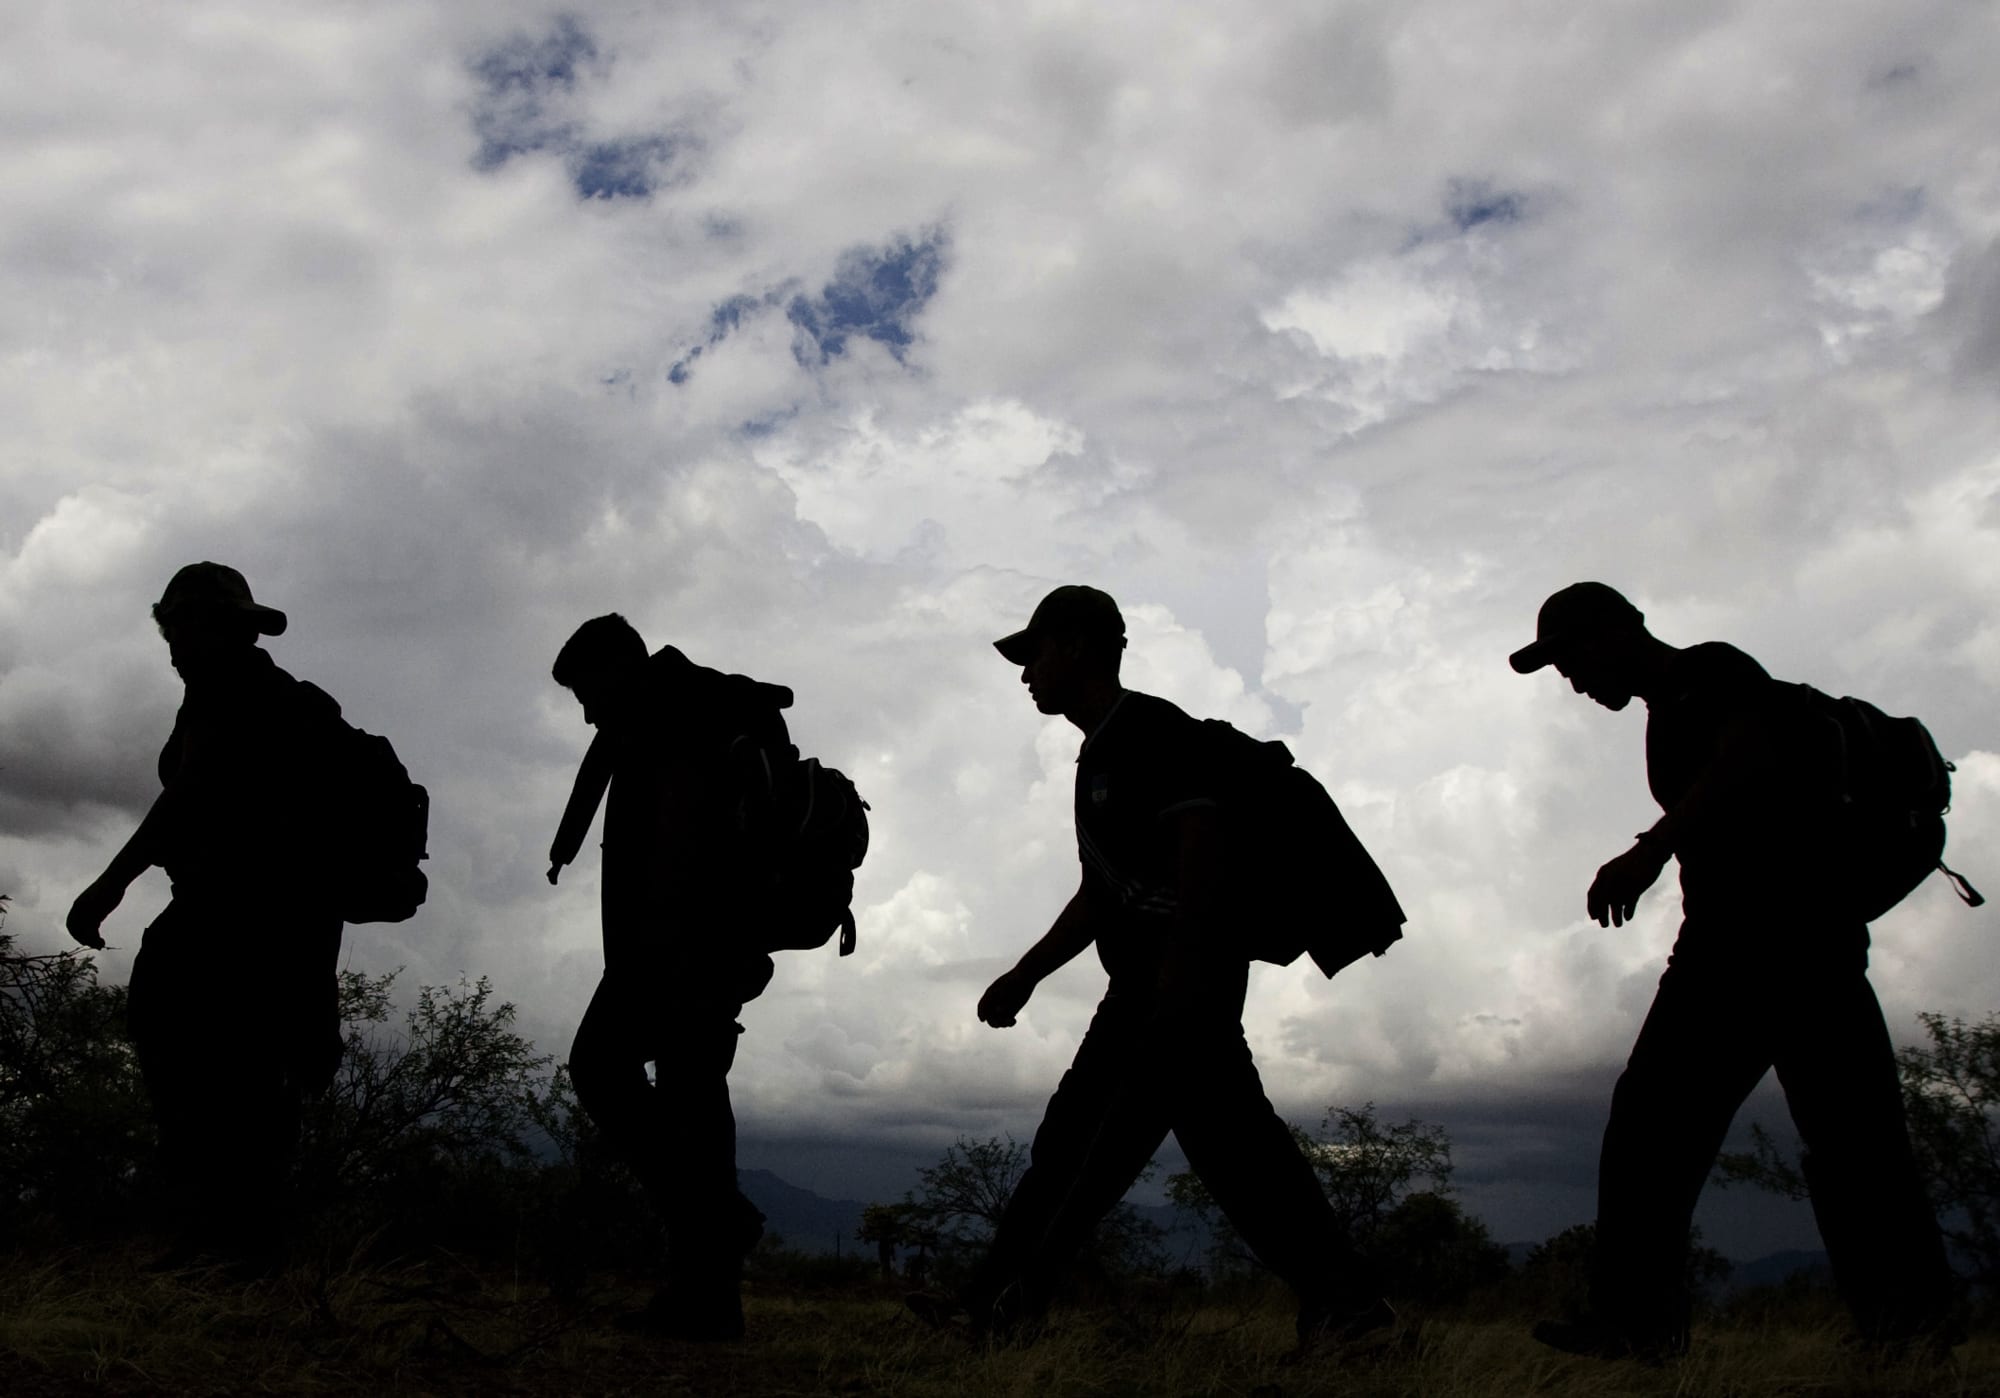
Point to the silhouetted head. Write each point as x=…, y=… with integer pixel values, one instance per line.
x=1596, y=640
x=1070, y=646
x=602, y=664
x=207, y=615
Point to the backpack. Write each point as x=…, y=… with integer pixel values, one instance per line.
x=806, y=830
x=378, y=828
x=1298, y=878
x=1894, y=788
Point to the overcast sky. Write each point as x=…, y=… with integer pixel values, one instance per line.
x=821, y=340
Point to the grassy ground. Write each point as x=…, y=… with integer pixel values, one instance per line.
x=89, y=1322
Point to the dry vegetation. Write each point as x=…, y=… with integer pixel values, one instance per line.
x=89, y=1321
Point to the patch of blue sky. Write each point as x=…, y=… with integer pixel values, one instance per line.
x=518, y=78
x=520, y=111
x=622, y=169
x=875, y=294
x=767, y=423
x=721, y=321
x=1471, y=203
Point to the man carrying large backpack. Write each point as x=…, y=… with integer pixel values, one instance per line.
x=1769, y=971
x=1166, y=1049
x=232, y=1001
x=685, y=903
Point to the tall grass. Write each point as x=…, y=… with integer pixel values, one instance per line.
x=91, y=1321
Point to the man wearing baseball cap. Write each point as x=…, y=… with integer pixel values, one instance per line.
x=231, y=1006
x=1768, y=971
x=1165, y=1050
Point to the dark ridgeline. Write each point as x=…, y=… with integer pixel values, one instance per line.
x=275, y=824
x=710, y=864
x=1166, y=900
x=1780, y=870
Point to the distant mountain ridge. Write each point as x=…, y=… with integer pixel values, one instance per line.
x=807, y=1222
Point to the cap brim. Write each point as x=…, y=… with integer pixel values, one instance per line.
x=268, y=620
x=1017, y=649
x=1531, y=657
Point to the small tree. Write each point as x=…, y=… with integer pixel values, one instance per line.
x=1421, y=1241
x=1555, y=1276
x=958, y=1203
x=887, y=1226
x=433, y=1131
x=74, y=1126
x=964, y=1194
x=1366, y=1168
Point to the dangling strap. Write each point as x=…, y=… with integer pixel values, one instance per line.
x=1972, y=896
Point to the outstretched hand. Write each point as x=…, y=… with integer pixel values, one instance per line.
x=87, y=913
x=1614, y=893
x=1004, y=999
x=554, y=869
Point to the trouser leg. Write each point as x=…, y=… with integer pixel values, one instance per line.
x=1246, y=1156
x=217, y=1023
x=1073, y=1164
x=1697, y=1057
x=710, y=1224
x=676, y=1129
x=1838, y=1070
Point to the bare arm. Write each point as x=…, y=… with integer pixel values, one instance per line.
x=1065, y=940
x=592, y=777
x=1721, y=785
x=135, y=857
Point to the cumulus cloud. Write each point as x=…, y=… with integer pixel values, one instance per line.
x=821, y=343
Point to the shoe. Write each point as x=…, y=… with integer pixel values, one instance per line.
x=938, y=1311
x=671, y=1316
x=1589, y=1340
x=1327, y=1327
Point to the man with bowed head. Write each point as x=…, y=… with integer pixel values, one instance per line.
x=1165, y=1050
x=683, y=947
x=1770, y=970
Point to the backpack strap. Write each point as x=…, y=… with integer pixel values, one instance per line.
x=1962, y=886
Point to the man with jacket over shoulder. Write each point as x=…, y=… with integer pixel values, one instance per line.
x=1165, y=1050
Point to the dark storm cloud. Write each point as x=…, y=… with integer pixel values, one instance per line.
x=454, y=325
x=65, y=758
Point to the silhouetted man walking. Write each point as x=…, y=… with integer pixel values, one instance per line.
x=1769, y=971
x=1165, y=1050
x=682, y=948
x=232, y=999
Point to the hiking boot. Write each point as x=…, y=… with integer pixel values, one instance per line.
x=672, y=1314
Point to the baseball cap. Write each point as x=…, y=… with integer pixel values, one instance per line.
x=1578, y=612
x=206, y=589
x=1071, y=609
